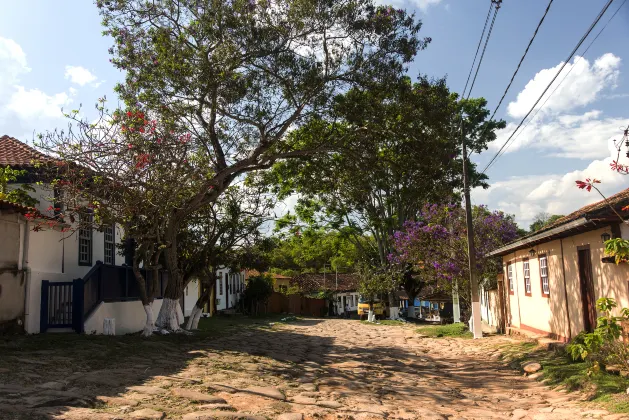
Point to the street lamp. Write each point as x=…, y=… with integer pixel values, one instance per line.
x=605, y=237
x=532, y=252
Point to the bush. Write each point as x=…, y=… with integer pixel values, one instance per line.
x=258, y=290
x=604, y=346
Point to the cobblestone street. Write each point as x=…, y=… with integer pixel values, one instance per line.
x=310, y=369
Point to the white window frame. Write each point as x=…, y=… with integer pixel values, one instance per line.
x=543, y=274
x=527, y=276
x=510, y=276
x=86, y=239
x=109, y=232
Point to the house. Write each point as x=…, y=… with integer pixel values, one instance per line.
x=281, y=283
x=229, y=286
x=343, y=287
x=56, y=279
x=552, y=278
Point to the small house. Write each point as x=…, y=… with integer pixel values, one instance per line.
x=552, y=278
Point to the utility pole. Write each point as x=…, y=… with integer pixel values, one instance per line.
x=471, y=248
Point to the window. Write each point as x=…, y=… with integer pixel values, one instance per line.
x=527, y=277
x=220, y=284
x=85, y=240
x=110, y=244
x=543, y=274
x=510, y=277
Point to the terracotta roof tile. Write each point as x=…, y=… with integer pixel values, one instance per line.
x=599, y=210
x=309, y=283
x=15, y=153
x=19, y=208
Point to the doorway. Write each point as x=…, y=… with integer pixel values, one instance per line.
x=586, y=279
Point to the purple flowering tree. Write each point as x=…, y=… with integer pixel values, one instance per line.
x=434, y=247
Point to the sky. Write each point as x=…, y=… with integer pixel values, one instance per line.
x=59, y=60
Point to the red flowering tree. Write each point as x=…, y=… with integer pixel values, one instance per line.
x=125, y=169
x=227, y=81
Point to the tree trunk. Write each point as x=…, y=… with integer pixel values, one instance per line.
x=193, y=321
x=149, y=327
x=146, y=297
x=169, y=316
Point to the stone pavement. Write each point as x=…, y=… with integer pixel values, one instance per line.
x=312, y=369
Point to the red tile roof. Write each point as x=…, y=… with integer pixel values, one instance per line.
x=15, y=153
x=17, y=208
x=599, y=210
x=592, y=216
x=251, y=273
x=310, y=283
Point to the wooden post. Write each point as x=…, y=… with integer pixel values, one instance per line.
x=471, y=248
x=78, y=305
x=43, y=315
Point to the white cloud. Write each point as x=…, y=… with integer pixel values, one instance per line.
x=582, y=136
x=526, y=196
x=24, y=109
x=422, y=5
x=581, y=87
x=33, y=103
x=12, y=64
x=79, y=75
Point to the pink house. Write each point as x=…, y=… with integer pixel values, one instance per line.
x=552, y=278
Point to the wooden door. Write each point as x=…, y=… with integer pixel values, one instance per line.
x=587, y=289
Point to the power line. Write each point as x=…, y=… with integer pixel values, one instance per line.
x=480, y=41
x=587, y=33
x=491, y=27
x=564, y=78
x=518, y=67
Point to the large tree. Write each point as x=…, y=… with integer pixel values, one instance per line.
x=405, y=154
x=435, y=245
x=222, y=235
x=237, y=75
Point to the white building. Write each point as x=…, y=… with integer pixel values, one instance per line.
x=55, y=279
x=229, y=287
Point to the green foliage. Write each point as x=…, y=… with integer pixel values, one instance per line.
x=542, y=220
x=376, y=281
x=618, y=248
x=451, y=330
x=258, y=290
x=603, y=346
x=19, y=194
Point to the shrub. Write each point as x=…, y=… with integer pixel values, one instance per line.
x=603, y=346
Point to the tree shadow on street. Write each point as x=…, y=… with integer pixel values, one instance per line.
x=47, y=375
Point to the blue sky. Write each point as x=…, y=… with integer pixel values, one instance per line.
x=52, y=54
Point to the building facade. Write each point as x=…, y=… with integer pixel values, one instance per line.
x=552, y=278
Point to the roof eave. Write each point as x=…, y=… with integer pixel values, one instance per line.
x=545, y=236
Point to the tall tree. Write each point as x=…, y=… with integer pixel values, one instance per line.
x=404, y=155
x=237, y=75
x=221, y=235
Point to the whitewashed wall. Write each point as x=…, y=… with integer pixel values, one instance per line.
x=129, y=317
x=190, y=296
x=225, y=298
